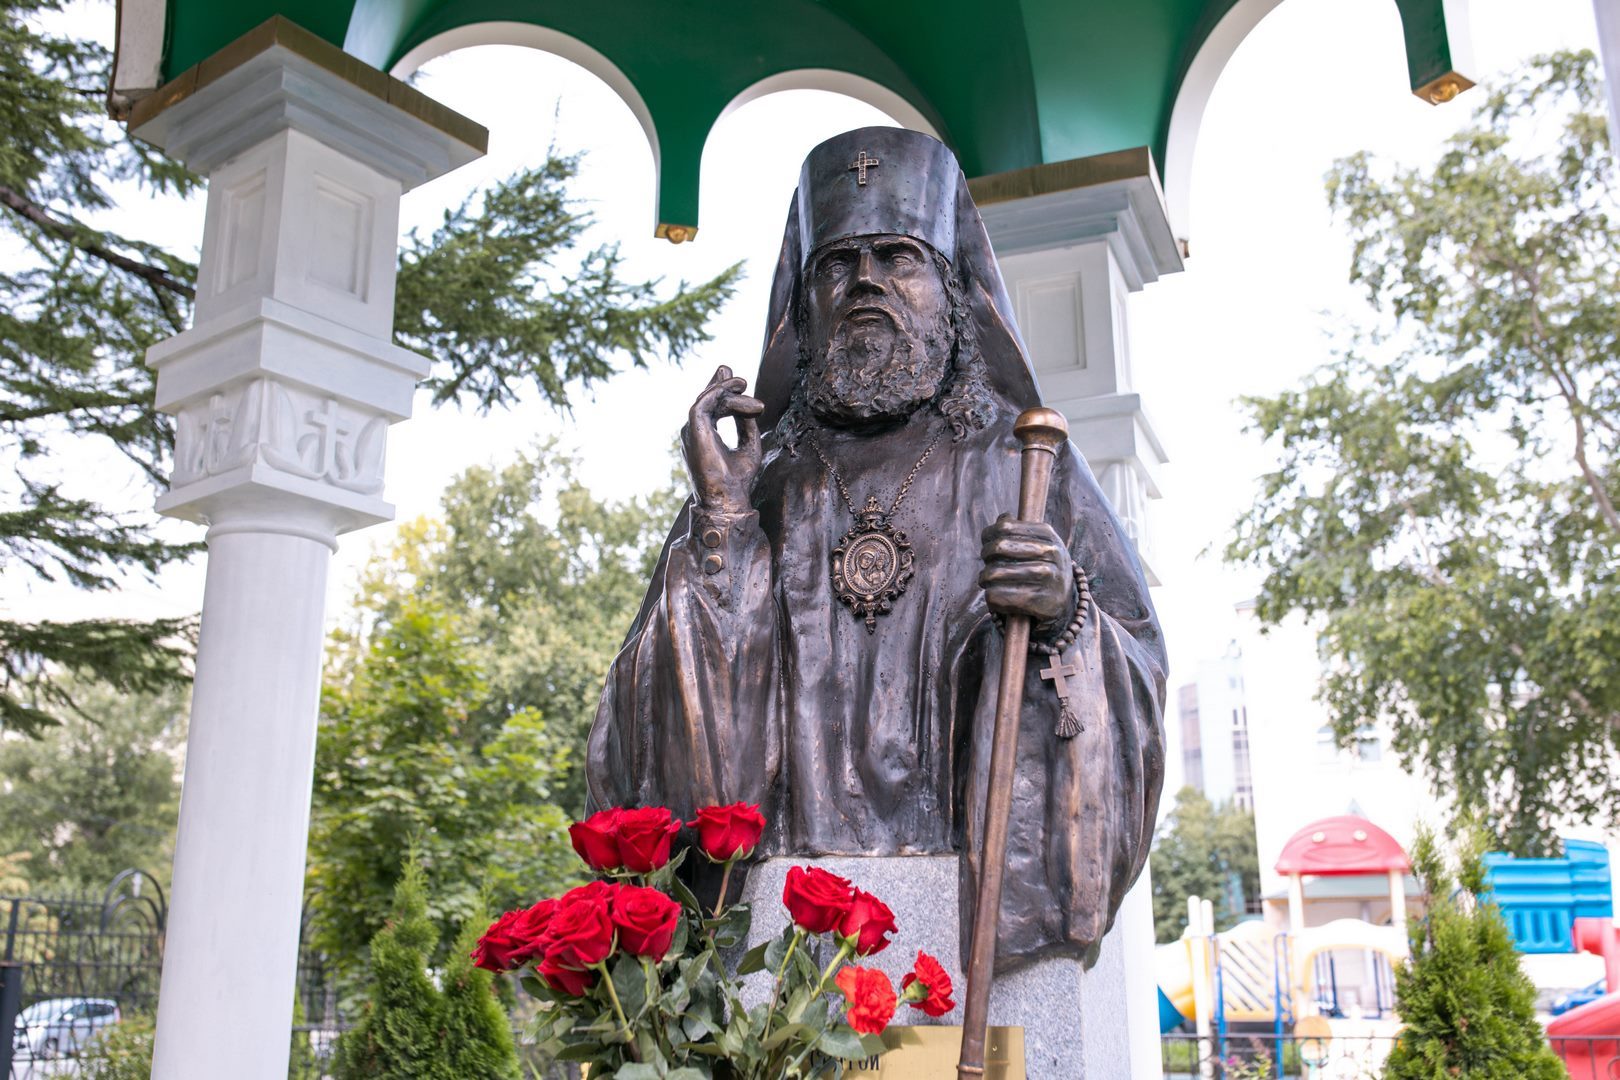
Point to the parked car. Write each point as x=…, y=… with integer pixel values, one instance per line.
x=63, y=1025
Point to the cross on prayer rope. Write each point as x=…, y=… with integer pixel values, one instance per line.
x=862, y=163
x=1058, y=674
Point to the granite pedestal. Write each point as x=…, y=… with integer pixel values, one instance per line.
x=1074, y=1020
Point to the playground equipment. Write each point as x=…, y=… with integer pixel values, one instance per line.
x=1343, y=846
x=1542, y=898
x=1261, y=976
x=1584, y=1053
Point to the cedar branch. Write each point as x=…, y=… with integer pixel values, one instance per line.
x=85, y=241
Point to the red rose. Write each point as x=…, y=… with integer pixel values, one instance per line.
x=565, y=980
x=869, y=921
x=603, y=891
x=726, y=832
x=935, y=984
x=580, y=933
x=595, y=839
x=817, y=900
x=646, y=919
x=513, y=939
x=644, y=837
x=870, y=996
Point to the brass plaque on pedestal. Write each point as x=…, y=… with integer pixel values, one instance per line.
x=931, y=1053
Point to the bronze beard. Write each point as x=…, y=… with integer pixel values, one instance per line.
x=938, y=365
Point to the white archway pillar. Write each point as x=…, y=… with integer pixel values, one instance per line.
x=1074, y=240
x=1607, y=13
x=283, y=390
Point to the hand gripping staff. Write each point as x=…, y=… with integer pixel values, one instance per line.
x=1041, y=431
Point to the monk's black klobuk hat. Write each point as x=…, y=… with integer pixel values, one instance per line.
x=912, y=187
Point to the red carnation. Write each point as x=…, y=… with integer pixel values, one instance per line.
x=596, y=840
x=513, y=939
x=869, y=921
x=644, y=837
x=565, y=980
x=935, y=984
x=728, y=832
x=646, y=919
x=870, y=996
x=581, y=931
x=817, y=900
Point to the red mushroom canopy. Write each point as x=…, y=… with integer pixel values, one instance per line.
x=1342, y=845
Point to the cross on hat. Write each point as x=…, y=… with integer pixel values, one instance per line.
x=861, y=164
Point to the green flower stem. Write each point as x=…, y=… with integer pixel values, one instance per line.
x=725, y=883
x=618, y=1010
x=654, y=989
x=846, y=949
x=776, y=990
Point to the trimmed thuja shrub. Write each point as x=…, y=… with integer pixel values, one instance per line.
x=410, y=1028
x=1466, y=1007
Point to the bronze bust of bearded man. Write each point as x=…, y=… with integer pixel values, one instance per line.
x=820, y=636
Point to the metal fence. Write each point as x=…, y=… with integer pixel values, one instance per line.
x=1264, y=1056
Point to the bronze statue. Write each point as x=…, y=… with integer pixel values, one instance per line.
x=820, y=636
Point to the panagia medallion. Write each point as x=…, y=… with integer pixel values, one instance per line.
x=871, y=565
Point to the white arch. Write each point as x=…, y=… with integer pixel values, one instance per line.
x=546, y=40
x=1191, y=99
x=862, y=89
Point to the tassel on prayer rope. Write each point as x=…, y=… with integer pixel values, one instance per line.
x=1058, y=674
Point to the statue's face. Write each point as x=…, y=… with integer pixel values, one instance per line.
x=877, y=328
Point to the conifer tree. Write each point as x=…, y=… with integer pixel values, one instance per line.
x=478, y=1035
x=411, y=1030
x=502, y=297
x=1468, y=1009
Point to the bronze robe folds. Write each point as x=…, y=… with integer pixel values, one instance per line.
x=746, y=679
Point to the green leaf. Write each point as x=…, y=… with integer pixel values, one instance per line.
x=754, y=959
x=787, y=1032
x=842, y=1042
x=873, y=1045
x=638, y=1070
x=630, y=983
x=732, y=927
x=685, y=895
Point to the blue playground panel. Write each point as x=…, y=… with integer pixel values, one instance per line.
x=1541, y=898
x=1169, y=1018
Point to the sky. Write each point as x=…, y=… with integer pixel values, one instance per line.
x=1265, y=285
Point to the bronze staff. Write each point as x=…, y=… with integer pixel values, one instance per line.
x=1041, y=431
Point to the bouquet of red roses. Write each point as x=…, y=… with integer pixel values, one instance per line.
x=631, y=975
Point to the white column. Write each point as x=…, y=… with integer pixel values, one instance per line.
x=283, y=390
x=1296, y=904
x=1071, y=256
x=1608, y=30
x=1397, y=899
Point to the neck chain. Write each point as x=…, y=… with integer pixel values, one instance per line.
x=872, y=564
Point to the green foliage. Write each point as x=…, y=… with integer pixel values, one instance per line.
x=484, y=295
x=497, y=299
x=97, y=794
x=79, y=305
x=478, y=1035
x=545, y=577
x=1444, y=508
x=408, y=1028
x=405, y=763
x=1467, y=1008
x=462, y=734
x=123, y=1053
x=1206, y=851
